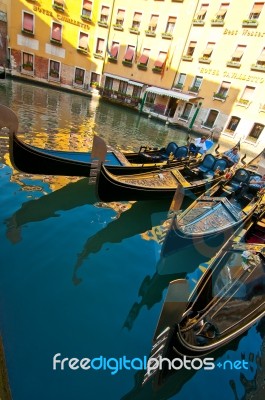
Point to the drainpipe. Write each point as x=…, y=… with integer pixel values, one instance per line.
x=194, y=116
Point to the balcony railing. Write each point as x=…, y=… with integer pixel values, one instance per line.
x=253, y=23
x=118, y=27
x=187, y=58
x=167, y=35
x=233, y=64
x=198, y=22
x=217, y=22
x=103, y=24
x=134, y=30
x=205, y=60
x=257, y=67
x=243, y=102
x=150, y=33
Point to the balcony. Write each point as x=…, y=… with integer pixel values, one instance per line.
x=99, y=56
x=187, y=58
x=127, y=63
x=118, y=27
x=258, y=67
x=205, y=60
x=217, y=22
x=219, y=96
x=233, y=64
x=167, y=35
x=150, y=33
x=198, y=22
x=249, y=23
x=134, y=30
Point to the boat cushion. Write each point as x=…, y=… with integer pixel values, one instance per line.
x=181, y=152
x=171, y=148
x=207, y=163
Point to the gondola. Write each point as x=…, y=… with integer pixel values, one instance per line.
x=217, y=212
x=197, y=319
x=34, y=160
x=115, y=184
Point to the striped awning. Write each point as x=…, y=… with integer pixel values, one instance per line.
x=171, y=93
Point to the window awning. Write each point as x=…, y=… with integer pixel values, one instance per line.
x=171, y=93
x=120, y=78
x=114, y=50
x=136, y=83
x=257, y=8
x=87, y=5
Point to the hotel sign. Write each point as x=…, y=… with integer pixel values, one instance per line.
x=60, y=17
x=232, y=75
x=245, y=32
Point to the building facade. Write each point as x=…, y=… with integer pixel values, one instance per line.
x=193, y=63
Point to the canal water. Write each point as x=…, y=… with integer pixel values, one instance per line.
x=83, y=279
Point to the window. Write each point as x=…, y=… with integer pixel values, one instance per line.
x=210, y=121
x=129, y=54
x=28, y=22
x=238, y=53
x=208, y=51
x=83, y=41
x=223, y=90
x=79, y=76
x=136, y=91
x=144, y=57
x=95, y=78
x=160, y=60
x=120, y=17
x=233, y=123
x=87, y=9
x=114, y=49
x=123, y=87
x=171, y=24
x=255, y=132
x=247, y=95
x=150, y=99
x=54, y=69
x=104, y=15
x=222, y=11
x=191, y=49
x=56, y=32
x=153, y=23
x=186, y=111
x=108, y=83
x=100, y=46
x=27, y=61
x=256, y=10
x=180, y=81
x=261, y=59
x=136, y=20
x=201, y=14
x=196, y=84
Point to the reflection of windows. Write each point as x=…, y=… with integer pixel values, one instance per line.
x=54, y=67
x=233, y=123
x=223, y=90
x=104, y=15
x=170, y=24
x=191, y=48
x=261, y=59
x=108, y=83
x=79, y=76
x=208, y=51
x=212, y=116
x=56, y=32
x=238, y=53
x=136, y=20
x=186, y=111
x=114, y=49
x=100, y=46
x=222, y=11
x=144, y=57
x=255, y=132
x=256, y=10
x=129, y=54
x=123, y=87
x=161, y=59
x=83, y=41
x=120, y=17
x=180, y=81
x=201, y=14
x=153, y=23
x=27, y=61
x=28, y=22
x=87, y=8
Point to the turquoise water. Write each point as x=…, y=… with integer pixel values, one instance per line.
x=83, y=278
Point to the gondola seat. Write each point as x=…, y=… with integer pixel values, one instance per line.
x=207, y=163
x=171, y=148
x=162, y=155
x=219, y=163
x=241, y=176
x=181, y=152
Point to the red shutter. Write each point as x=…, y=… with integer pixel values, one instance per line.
x=83, y=40
x=28, y=22
x=161, y=59
x=56, y=31
x=129, y=54
x=114, y=50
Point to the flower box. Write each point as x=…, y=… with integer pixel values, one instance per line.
x=150, y=33
x=54, y=74
x=118, y=27
x=257, y=67
x=58, y=7
x=217, y=22
x=178, y=86
x=243, y=102
x=157, y=70
x=205, y=60
x=193, y=89
x=187, y=58
x=26, y=32
x=134, y=30
x=219, y=96
x=127, y=63
x=252, y=23
x=98, y=56
x=103, y=24
x=198, y=22
x=56, y=42
x=233, y=64
x=113, y=60
x=142, y=67
x=82, y=50
x=167, y=35
x=28, y=67
x=86, y=18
